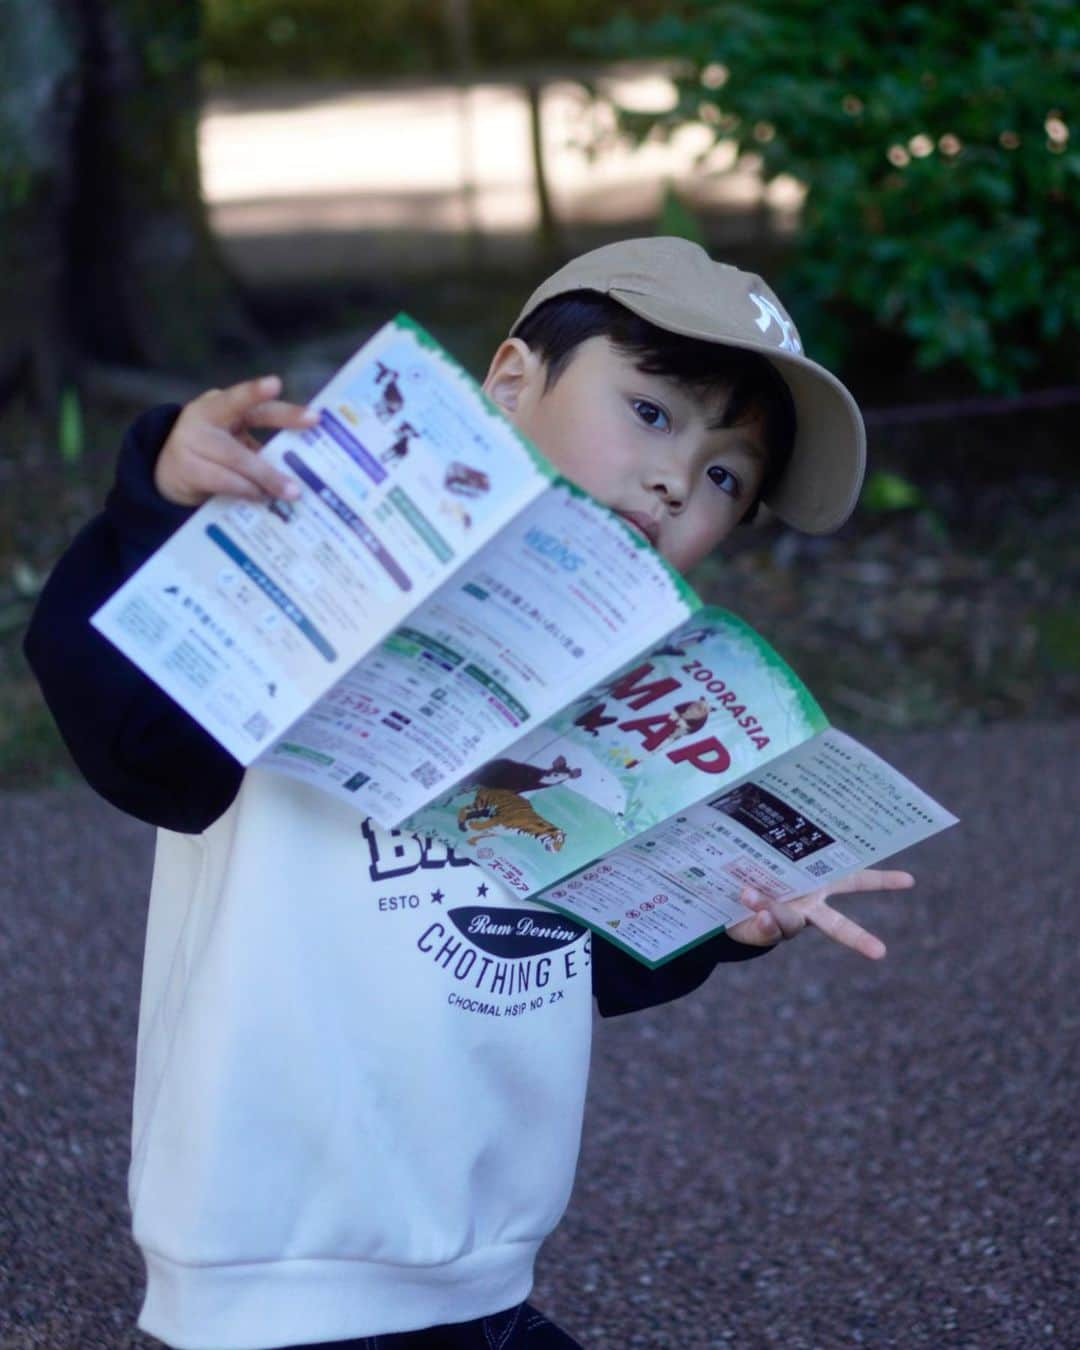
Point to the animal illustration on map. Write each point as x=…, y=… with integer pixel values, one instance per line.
x=690, y=638
x=465, y=481
x=514, y=776
x=391, y=399
x=683, y=718
x=405, y=433
x=510, y=775
x=497, y=809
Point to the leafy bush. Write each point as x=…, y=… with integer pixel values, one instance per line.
x=943, y=187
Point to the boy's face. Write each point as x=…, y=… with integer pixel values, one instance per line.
x=645, y=445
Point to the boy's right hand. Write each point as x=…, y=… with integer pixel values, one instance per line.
x=211, y=449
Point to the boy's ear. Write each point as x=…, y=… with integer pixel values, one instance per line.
x=516, y=374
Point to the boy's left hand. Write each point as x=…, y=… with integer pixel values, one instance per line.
x=776, y=920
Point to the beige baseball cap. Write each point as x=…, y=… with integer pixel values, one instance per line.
x=676, y=285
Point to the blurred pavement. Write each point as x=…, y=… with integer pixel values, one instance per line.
x=365, y=179
x=813, y=1151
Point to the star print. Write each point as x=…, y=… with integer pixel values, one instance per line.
x=481, y=889
x=436, y=897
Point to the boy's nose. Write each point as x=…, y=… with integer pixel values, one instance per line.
x=670, y=486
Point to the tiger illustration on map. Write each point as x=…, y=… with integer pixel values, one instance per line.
x=498, y=808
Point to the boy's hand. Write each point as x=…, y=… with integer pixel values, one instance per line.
x=211, y=449
x=779, y=919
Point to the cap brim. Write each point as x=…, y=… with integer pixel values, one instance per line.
x=821, y=485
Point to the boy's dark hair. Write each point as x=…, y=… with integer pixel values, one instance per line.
x=557, y=327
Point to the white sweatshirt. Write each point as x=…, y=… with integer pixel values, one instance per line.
x=360, y=1079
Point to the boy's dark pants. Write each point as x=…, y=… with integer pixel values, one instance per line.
x=520, y=1328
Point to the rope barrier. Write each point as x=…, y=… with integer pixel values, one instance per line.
x=971, y=407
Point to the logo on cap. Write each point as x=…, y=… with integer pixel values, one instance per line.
x=767, y=315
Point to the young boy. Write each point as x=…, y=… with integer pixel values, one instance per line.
x=347, y=1126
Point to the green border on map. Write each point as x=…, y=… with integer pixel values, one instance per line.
x=771, y=657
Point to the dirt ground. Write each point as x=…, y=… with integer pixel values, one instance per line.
x=812, y=1152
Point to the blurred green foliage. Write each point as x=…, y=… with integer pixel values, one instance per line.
x=884, y=491
x=943, y=176
x=675, y=218
x=343, y=39
x=70, y=435
x=1059, y=636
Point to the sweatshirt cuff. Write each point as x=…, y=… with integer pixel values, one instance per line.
x=623, y=985
x=134, y=506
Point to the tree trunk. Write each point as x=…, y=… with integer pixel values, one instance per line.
x=103, y=233
x=39, y=99
x=548, y=225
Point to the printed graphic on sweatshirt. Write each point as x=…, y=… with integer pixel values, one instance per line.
x=495, y=961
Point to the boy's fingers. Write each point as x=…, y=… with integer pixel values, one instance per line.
x=768, y=924
x=775, y=920
x=756, y=930
x=872, y=880
x=846, y=932
x=217, y=479
x=279, y=414
x=227, y=406
x=245, y=461
x=764, y=929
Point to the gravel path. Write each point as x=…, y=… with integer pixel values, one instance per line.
x=873, y=1155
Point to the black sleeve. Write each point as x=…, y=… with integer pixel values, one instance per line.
x=135, y=746
x=622, y=985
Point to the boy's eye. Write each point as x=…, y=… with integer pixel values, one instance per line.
x=651, y=414
x=724, y=479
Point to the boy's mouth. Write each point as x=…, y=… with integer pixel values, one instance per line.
x=643, y=524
